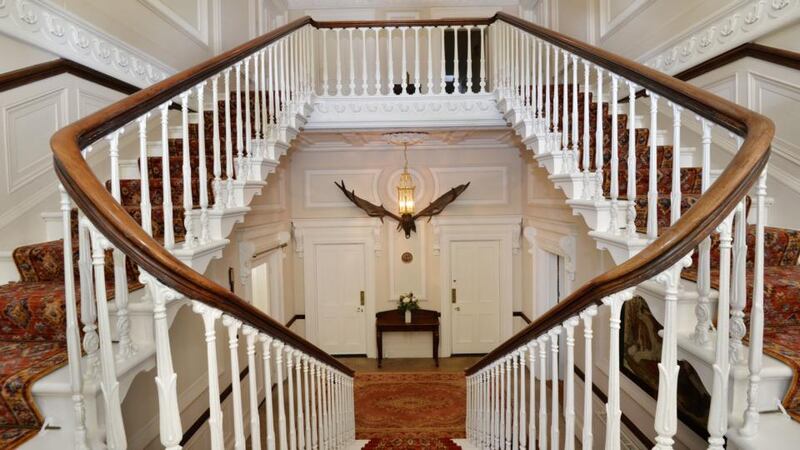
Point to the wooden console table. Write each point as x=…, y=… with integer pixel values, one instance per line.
x=394, y=320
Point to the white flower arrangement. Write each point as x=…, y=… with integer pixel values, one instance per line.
x=407, y=302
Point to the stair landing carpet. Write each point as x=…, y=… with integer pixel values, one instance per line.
x=404, y=443
x=420, y=408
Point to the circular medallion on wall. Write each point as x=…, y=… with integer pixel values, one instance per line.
x=407, y=257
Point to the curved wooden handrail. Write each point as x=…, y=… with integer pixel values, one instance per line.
x=697, y=223
x=126, y=234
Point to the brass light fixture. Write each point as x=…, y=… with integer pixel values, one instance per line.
x=405, y=187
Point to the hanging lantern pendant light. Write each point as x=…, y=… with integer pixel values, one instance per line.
x=405, y=188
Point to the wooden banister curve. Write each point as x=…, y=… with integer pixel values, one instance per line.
x=125, y=233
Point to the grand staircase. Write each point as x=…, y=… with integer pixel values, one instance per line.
x=596, y=149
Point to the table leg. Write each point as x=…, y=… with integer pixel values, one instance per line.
x=436, y=347
x=379, y=337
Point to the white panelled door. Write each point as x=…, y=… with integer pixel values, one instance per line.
x=340, y=286
x=475, y=295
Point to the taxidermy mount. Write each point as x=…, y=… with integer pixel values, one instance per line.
x=405, y=221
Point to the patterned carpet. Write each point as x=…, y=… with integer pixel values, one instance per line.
x=395, y=407
x=401, y=443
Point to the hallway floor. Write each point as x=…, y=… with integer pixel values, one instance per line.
x=453, y=364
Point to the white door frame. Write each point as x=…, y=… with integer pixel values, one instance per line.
x=558, y=238
x=253, y=243
x=506, y=230
x=309, y=233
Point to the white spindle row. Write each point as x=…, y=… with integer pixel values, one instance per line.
x=375, y=61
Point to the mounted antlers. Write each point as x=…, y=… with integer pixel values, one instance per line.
x=406, y=222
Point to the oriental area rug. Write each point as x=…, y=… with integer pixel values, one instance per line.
x=410, y=410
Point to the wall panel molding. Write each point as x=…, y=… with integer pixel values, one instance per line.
x=489, y=184
x=48, y=26
x=198, y=33
x=609, y=23
x=320, y=191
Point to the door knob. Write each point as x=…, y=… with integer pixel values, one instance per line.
x=458, y=308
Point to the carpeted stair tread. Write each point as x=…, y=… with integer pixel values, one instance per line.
x=131, y=191
x=411, y=443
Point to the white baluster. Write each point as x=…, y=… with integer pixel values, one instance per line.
x=555, y=417
x=257, y=100
x=417, y=85
x=125, y=347
x=547, y=93
x=630, y=224
x=586, y=435
x=403, y=62
x=364, y=62
x=217, y=183
x=667, y=407
x=598, y=139
x=469, y=59
x=429, y=85
x=526, y=76
x=565, y=106
x=514, y=426
x=586, y=194
x=269, y=423
x=532, y=388
x=338, y=62
x=751, y=417
x=88, y=315
x=543, y=392
x=283, y=440
x=323, y=409
x=301, y=435
x=186, y=172
x=144, y=179
x=229, y=175
x=556, y=145
x=718, y=411
x=739, y=284
x=166, y=379
x=290, y=397
x=240, y=168
x=482, y=90
x=203, y=171
x=569, y=384
x=507, y=417
x=264, y=96
x=390, y=61
x=456, y=67
x=378, y=87
x=652, y=187
x=169, y=234
x=675, y=196
x=325, y=86
x=248, y=126
x=316, y=401
x=574, y=166
x=498, y=400
x=251, y=334
x=352, y=72
x=443, y=66
x=539, y=101
x=523, y=419
x=703, y=309
x=614, y=188
x=72, y=330
x=307, y=405
x=233, y=326
x=210, y=316
x=613, y=408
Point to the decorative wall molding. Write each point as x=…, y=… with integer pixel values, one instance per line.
x=491, y=182
x=511, y=224
x=420, y=111
x=301, y=228
x=417, y=244
x=198, y=33
x=48, y=26
x=364, y=181
x=374, y=141
x=746, y=22
x=609, y=24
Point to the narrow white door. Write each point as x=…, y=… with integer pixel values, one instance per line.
x=475, y=295
x=340, y=284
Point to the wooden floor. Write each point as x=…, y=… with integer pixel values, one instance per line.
x=453, y=364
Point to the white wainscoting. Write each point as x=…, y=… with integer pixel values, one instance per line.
x=616, y=13
x=29, y=115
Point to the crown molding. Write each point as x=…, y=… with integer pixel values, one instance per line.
x=744, y=22
x=45, y=25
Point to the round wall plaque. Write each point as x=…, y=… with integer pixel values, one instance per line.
x=407, y=257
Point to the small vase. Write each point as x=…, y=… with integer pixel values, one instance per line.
x=408, y=316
